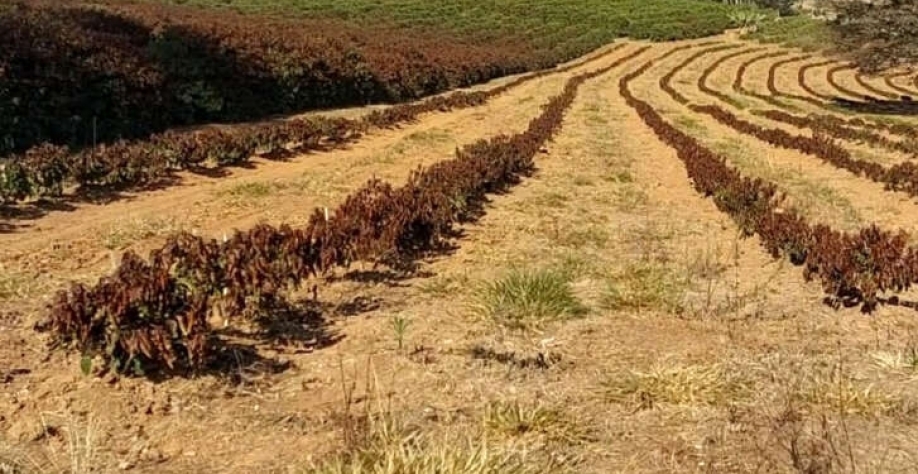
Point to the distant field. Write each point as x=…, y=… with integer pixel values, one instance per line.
x=575, y=25
x=203, y=65
x=801, y=31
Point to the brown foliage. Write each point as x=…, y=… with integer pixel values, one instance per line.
x=813, y=97
x=131, y=164
x=838, y=128
x=78, y=73
x=164, y=303
x=703, y=79
x=888, y=80
x=666, y=79
x=899, y=177
x=853, y=268
x=831, y=74
x=861, y=81
x=741, y=71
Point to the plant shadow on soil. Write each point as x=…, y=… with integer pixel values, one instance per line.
x=906, y=106
x=301, y=326
x=12, y=217
x=403, y=268
x=394, y=271
x=237, y=353
x=304, y=324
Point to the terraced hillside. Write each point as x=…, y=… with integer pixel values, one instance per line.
x=685, y=256
x=78, y=73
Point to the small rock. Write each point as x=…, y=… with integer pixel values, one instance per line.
x=28, y=431
x=155, y=455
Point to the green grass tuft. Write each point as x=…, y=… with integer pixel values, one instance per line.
x=526, y=298
x=644, y=285
x=250, y=190
x=800, y=31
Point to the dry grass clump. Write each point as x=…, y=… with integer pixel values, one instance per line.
x=904, y=360
x=14, y=462
x=415, y=453
x=515, y=419
x=843, y=394
x=672, y=383
x=13, y=284
x=644, y=285
x=81, y=454
x=129, y=231
x=387, y=446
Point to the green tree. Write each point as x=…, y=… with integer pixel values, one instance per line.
x=878, y=34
